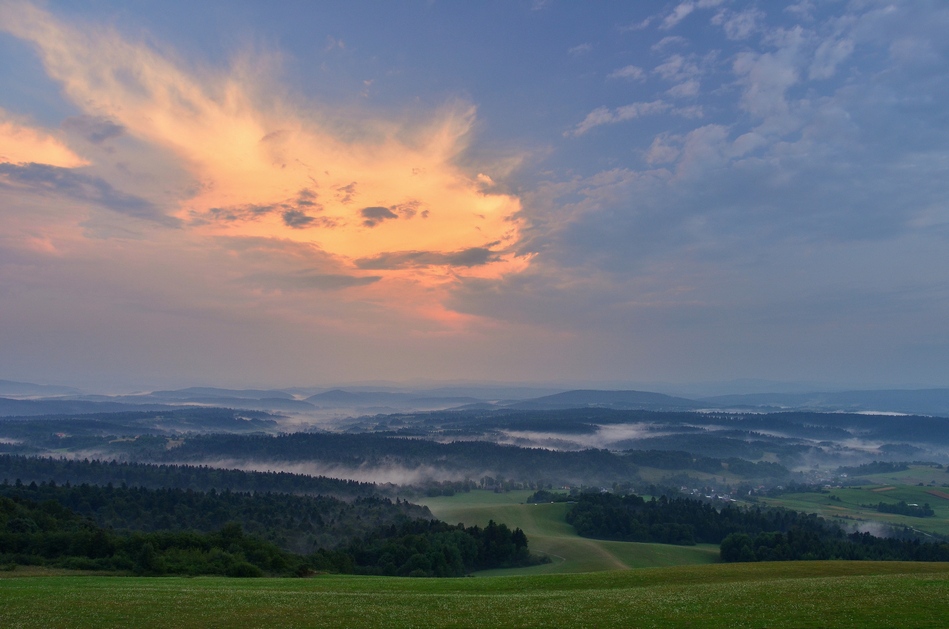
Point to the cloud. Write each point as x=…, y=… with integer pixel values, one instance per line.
x=474, y=256
x=311, y=280
x=21, y=144
x=628, y=72
x=51, y=180
x=664, y=150
x=739, y=25
x=687, y=89
x=637, y=26
x=234, y=213
x=766, y=78
x=666, y=42
x=580, y=49
x=828, y=56
x=375, y=215
x=95, y=129
x=678, y=14
x=260, y=162
x=678, y=68
x=296, y=219
x=604, y=115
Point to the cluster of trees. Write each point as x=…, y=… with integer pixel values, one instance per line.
x=681, y=460
x=299, y=524
x=901, y=508
x=545, y=495
x=795, y=545
x=436, y=549
x=876, y=467
x=195, y=477
x=744, y=534
x=47, y=533
x=676, y=520
x=447, y=487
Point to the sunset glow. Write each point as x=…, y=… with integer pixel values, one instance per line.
x=630, y=192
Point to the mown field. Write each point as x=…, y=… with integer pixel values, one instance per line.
x=548, y=534
x=792, y=594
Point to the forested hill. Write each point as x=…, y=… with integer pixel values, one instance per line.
x=299, y=524
x=200, y=478
x=51, y=534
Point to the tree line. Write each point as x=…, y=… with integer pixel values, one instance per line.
x=50, y=534
x=744, y=534
x=298, y=524
x=195, y=477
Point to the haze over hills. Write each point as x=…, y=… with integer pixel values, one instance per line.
x=35, y=399
x=918, y=401
x=9, y=388
x=641, y=400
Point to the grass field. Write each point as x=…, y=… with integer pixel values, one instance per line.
x=549, y=534
x=793, y=594
x=587, y=585
x=848, y=509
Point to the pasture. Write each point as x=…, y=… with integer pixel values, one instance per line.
x=792, y=594
x=548, y=534
x=847, y=508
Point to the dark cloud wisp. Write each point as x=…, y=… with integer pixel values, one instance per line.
x=374, y=215
x=95, y=129
x=475, y=256
x=45, y=179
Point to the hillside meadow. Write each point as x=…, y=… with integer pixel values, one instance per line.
x=549, y=534
x=589, y=583
x=792, y=594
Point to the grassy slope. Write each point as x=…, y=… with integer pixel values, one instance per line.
x=549, y=534
x=794, y=594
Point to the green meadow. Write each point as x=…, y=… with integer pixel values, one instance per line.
x=792, y=594
x=846, y=504
x=548, y=534
x=589, y=583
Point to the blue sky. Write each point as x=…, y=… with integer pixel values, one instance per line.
x=243, y=193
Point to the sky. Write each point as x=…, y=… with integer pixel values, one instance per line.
x=601, y=193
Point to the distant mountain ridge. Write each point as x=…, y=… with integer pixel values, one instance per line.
x=911, y=401
x=10, y=388
x=639, y=400
x=21, y=398
x=214, y=392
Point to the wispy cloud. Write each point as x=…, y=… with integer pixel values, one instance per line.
x=475, y=256
x=63, y=182
x=94, y=129
x=22, y=144
x=628, y=72
x=684, y=10
x=604, y=115
x=668, y=42
x=678, y=14
x=248, y=151
x=741, y=24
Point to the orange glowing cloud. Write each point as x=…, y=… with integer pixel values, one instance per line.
x=20, y=144
x=381, y=199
